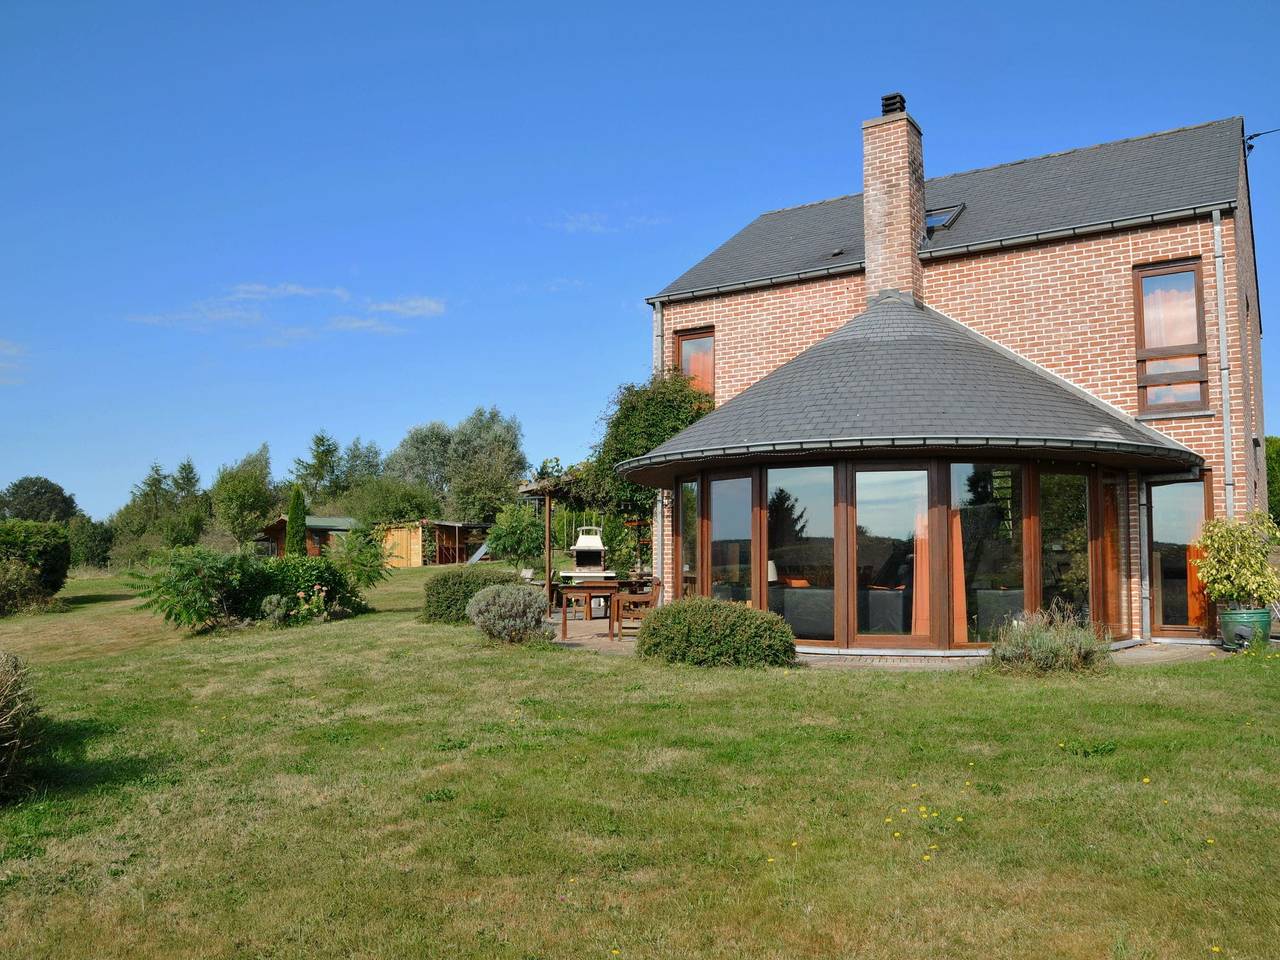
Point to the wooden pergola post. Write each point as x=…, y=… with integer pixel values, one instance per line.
x=546, y=546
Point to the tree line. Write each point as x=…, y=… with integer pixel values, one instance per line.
x=467, y=471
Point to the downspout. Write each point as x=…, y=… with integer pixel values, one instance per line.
x=1144, y=558
x=659, y=514
x=1224, y=365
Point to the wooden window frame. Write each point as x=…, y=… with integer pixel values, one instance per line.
x=1144, y=353
x=696, y=333
x=839, y=557
x=677, y=537
x=938, y=472
x=1158, y=627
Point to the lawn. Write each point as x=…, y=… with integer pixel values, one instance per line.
x=382, y=788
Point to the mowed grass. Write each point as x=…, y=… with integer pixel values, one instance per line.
x=383, y=788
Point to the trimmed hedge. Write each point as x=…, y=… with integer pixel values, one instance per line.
x=713, y=633
x=447, y=593
x=512, y=613
x=44, y=546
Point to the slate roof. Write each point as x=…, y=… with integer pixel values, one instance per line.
x=1189, y=169
x=903, y=376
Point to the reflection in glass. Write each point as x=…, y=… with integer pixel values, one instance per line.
x=1174, y=393
x=1169, y=309
x=697, y=361
x=986, y=548
x=1064, y=541
x=892, y=556
x=1177, y=511
x=731, y=539
x=688, y=539
x=801, y=577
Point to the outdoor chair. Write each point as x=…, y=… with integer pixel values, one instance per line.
x=634, y=606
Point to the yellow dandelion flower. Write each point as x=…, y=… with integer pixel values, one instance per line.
x=902, y=809
x=922, y=809
x=968, y=784
x=897, y=833
x=933, y=846
x=971, y=763
x=959, y=819
x=888, y=819
x=1146, y=779
x=1061, y=744
x=1215, y=949
x=795, y=843
x=924, y=816
x=770, y=860
x=1165, y=802
x=1209, y=841
x=926, y=858
x=934, y=814
x=915, y=784
x=573, y=879
x=615, y=951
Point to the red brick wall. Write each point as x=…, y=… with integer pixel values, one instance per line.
x=1066, y=305
x=893, y=203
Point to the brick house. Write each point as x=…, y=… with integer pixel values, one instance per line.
x=944, y=402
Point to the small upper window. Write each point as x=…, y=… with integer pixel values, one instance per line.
x=697, y=353
x=1172, y=367
x=941, y=218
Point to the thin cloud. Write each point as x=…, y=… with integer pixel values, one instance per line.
x=593, y=221
x=202, y=316
x=9, y=374
x=365, y=325
x=410, y=307
x=279, y=291
x=583, y=222
x=287, y=337
x=10, y=349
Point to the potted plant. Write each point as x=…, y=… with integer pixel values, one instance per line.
x=1237, y=575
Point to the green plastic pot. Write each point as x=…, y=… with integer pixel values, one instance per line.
x=1249, y=623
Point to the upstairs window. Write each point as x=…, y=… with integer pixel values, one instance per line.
x=697, y=352
x=1172, y=368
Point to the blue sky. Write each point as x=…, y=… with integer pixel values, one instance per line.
x=227, y=224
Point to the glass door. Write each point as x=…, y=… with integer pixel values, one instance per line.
x=890, y=560
x=731, y=541
x=1178, y=603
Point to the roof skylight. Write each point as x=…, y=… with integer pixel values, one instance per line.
x=941, y=218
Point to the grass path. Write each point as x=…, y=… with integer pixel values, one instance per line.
x=381, y=788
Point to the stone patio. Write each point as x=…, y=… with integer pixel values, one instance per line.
x=593, y=635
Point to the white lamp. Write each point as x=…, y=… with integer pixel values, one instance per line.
x=773, y=572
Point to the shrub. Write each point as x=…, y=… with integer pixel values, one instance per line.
x=1235, y=565
x=18, y=717
x=512, y=613
x=43, y=546
x=1049, y=640
x=298, y=577
x=19, y=586
x=200, y=589
x=708, y=633
x=361, y=557
x=517, y=535
x=447, y=593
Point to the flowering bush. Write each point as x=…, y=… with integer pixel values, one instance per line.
x=19, y=586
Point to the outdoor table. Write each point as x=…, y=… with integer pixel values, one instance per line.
x=586, y=590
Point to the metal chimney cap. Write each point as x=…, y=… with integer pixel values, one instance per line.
x=893, y=103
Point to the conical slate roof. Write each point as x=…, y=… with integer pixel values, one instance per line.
x=900, y=375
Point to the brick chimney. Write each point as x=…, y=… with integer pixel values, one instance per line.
x=893, y=199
